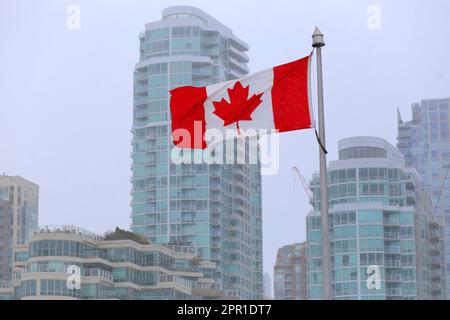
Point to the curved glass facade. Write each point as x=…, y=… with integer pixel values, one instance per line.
x=121, y=269
x=379, y=216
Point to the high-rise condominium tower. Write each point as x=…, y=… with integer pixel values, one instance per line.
x=425, y=142
x=19, y=202
x=215, y=208
x=381, y=228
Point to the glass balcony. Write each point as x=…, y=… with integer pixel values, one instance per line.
x=393, y=264
x=392, y=235
x=393, y=278
x=391, y=221
x=392, y=249
x=393, y=292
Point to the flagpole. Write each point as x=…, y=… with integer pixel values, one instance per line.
x=318, y=43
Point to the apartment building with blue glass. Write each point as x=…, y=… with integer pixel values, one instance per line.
x=425, y=143
x=118, y=269
x=215, y=208
x=19, y=206
x=381, y=216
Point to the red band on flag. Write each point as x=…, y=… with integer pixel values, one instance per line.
x=290, y=96
x=188, y=117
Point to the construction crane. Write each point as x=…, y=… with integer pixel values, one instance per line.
x=304, y=183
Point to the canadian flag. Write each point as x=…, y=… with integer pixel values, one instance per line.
x=276, y=98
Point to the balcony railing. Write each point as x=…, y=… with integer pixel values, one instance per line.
x=393, y=278
x=69, y=229
x=182, y=249
x=393, y=263
x=392, y=221
x=436, y=260
x=395, y=249
x=392, y=235
x=393, y=292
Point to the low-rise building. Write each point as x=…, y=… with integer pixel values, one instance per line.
x=289, y=276
x=73, y=263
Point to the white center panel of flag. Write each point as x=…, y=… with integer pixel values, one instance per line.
x=262, y=117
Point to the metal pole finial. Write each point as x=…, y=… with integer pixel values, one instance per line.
x=317, y=38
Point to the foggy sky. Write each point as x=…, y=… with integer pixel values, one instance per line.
x=66, y=96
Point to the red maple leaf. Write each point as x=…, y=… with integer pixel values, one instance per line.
x=240, y=108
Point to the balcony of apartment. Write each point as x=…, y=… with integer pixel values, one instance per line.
x=210, y=39
x=393, y=278
x=188, y=219
x=231, y=228
x=99, y=273
x=238, y=55
x=436, y=261
x=215, y=234
x=233, y=73
x=201, y=71
x=240, y=45
x=215, y=244
x=188, y=170
x=435, y=251
x=208, y=293
x=393, y=292
x=142, y=78
x=238, y=177
x=434, y=236
x=188, y=196
x=141, y=116
x=6, y=284
x=436, y=278
x=409, y=181
x=150, y=162
x=215, y=196
x=168, y=278
x=239, y=66
x=138, y=99
x=437, y=294
x=211, y=52
x=238, y=188
x=393, y=263
x=391, y=236
x=215, y=210
x=140, y=89
x=214, y=173
x=188, y=205
x=215, y=256
x=392, y=249
x=69, y=229
x=182, y=249
x=391, y=221
x=215, y=186
x=410, y=197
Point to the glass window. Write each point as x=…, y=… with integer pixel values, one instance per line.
x=157, y=34
x=363, y=174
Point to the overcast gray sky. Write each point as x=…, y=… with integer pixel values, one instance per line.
x=66, y=96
